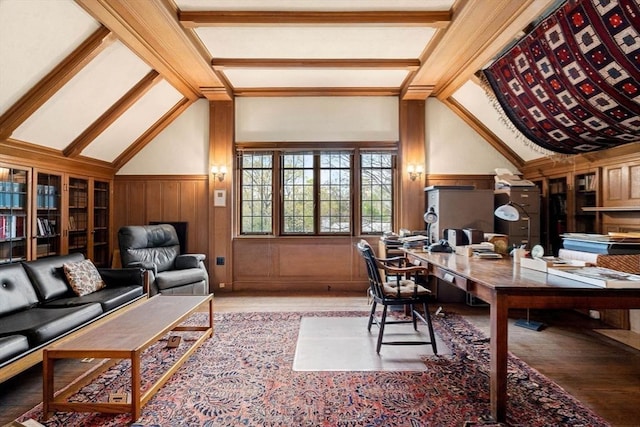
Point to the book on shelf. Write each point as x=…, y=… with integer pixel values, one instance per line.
x=599, y=276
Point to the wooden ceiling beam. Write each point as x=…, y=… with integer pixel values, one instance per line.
x=151, y=133
x=463, y=48
x=401, y=64
x=151, y=30
x=39, y=94
x=112, y=114
x=316, y=91
x=193, y=19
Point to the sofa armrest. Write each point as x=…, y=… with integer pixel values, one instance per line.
x=114, y=277
x=189, y=261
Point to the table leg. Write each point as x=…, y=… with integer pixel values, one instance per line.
x=47, y=384
x=136, y=393
x=499, y=347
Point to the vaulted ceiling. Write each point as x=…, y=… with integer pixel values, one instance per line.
x=100, y=79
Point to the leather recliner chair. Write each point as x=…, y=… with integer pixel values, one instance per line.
x=156, y=248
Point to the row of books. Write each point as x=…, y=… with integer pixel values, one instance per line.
x=12, y=227
x=46, y=227
x=46, y=197
x=12, y=194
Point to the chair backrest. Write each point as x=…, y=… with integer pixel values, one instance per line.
x=373, y=273
x=157, y=244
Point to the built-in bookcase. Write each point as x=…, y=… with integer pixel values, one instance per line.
x=78, y=219
x=100, y=232
x=48, y=214
x=14, y=211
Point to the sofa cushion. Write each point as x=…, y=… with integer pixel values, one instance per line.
x=40, y=325
x=109, y=298
x=173, y=278
x=12, y=345
x=48, y=277
x=16, y=291
x=83, y=277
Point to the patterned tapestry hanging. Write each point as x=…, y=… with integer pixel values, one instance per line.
x=572, y=85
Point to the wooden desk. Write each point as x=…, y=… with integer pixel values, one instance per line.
x=504, y=285
x=126, y=337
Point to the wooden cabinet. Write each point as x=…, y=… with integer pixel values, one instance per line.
x=14, y=213
x=47, y=225
x=101, y=230
x=71, y=214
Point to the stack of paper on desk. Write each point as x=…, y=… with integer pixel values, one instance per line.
x=546, y=262
x=599, y=276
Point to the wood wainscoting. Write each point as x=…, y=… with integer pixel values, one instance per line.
x=298, y=263
x=140, y=199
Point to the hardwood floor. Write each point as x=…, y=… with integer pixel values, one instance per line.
x=601, y=373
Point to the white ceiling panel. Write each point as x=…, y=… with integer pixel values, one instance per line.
x=314, y=42
x=35, y=35
x=322, y=5
x=128, y=127
x=259, y=78
x=84, y=99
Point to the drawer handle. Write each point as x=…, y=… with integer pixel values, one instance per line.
x=449, y=277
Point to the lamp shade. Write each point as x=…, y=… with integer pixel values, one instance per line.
x=430, y=216
x=507, y=212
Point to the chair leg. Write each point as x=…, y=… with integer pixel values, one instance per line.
x=382, y=322
x=427, y=316
x=414, y=317
x=373, y=313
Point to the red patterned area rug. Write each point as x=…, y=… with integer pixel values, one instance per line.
x=243, y=377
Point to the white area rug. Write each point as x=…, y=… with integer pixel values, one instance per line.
x=344, y=344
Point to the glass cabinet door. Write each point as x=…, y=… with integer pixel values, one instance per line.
x=78, y=219
x=13, y=214
x=47, y=228
x=101, y=223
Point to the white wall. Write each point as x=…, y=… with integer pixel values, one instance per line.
x=315, y=119
x=181, y=149
x=453, y=147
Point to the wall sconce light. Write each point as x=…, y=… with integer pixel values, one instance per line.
x=219, y=171
x=415, y=171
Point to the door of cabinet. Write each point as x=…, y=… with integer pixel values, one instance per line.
x=47, y=222
x=78, y=215
x=101, y=230
x=14, y=213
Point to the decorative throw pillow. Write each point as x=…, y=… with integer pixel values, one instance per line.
x=83, y=277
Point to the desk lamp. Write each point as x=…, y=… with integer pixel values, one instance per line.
x=430, y=217
x=509, y=212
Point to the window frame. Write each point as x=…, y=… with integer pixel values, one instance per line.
x=355, y=149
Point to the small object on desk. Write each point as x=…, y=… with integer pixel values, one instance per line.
x=487, y=255
x=442, y=246
x=543, y=263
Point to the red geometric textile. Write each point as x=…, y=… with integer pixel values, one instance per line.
x=572, y=85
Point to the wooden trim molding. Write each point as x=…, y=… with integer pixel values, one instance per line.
x=316, y=91
x=192, y=19
x=13, y=150
x=402, y=64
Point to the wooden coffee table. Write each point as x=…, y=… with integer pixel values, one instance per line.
x=125, y=337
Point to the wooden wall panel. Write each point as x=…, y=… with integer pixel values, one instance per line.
x=634, y=183
x=613, y=185
x=298, y=264
x=141, y=199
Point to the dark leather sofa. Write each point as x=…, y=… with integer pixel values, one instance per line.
x=37, y=306
x=156, y=248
